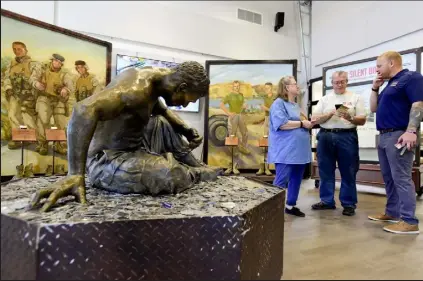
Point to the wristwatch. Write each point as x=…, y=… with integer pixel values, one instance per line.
x=412, y=132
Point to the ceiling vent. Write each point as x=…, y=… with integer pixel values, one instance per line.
x=250, y=16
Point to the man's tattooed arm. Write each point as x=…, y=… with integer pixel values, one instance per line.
x=416, y=116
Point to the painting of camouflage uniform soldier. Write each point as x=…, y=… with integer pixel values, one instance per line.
x=19, y=82
x=87, y=84
x=55, y=87
x=41, y=40
x=267, y=102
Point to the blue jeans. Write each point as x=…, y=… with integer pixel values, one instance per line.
x=341, y=148
x=289, y=175
x=396, y=171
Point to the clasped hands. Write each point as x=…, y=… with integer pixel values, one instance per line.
x=193, y=137
x=307, y=124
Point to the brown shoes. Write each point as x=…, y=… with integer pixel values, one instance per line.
x=402, y=227
x=398, y=226
x=384, y=218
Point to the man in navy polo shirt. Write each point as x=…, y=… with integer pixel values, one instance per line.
x=399, y=111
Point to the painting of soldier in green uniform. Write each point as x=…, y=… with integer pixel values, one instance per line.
x=239, y=100
x=44, y=73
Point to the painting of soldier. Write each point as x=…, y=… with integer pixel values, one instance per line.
x=54, y=86
x=18, y=81
x=236, y=115
x=86, y=84
x=43, y=76
x=268, y=99
x=241, y=92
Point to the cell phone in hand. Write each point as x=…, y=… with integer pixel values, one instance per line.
x=399, y=146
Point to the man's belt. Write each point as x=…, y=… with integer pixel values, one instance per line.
x=335, y=130
x=384, y=131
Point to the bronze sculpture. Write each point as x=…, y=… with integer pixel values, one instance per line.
x=127, y=141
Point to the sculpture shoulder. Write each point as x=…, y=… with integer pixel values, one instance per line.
x=138, y=78
x=134, y=86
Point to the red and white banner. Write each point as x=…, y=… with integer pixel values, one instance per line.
x=366, y=71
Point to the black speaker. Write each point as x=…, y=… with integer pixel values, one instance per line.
x=279, y=21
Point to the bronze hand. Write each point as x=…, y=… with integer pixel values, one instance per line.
x=70, y=185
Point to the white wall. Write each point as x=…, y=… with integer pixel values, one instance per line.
x=177, y=30
x=197, y=27
x=344, y=31
x=207, y=27
x=40, y=10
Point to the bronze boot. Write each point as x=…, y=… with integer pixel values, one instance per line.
x=261, y=170
x=49, y=171
x=29, y=171
x=266, y=170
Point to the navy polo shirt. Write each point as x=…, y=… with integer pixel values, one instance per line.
x=394, y=103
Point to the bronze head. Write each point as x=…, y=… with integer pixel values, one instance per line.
x=187, y=83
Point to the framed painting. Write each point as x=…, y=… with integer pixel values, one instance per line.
x=45, y=71
x=124, y=62
x=238, y=91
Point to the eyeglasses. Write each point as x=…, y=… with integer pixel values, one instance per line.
x=343, y=82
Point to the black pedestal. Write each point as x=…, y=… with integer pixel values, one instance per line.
x=229, y=229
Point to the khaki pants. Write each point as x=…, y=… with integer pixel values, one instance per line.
x=47, y=107
x=266, y=126
x=237, y=122
x=19, y=115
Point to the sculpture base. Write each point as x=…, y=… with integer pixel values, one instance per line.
x=229, y=229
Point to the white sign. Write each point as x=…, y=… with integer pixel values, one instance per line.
x=317, y=90
x=366, y=71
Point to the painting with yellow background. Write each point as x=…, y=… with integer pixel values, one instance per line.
x=240, y=96
x=44, y=72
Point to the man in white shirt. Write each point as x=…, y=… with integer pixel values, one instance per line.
x=338, y=143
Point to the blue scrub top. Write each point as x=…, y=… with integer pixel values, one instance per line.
x=395, y=101
x=287, y=146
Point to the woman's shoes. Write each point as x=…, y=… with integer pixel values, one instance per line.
x=295, y=212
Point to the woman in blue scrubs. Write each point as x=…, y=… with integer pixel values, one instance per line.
x=289, y=142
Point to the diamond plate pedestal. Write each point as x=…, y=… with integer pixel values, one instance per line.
x=229, y=229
